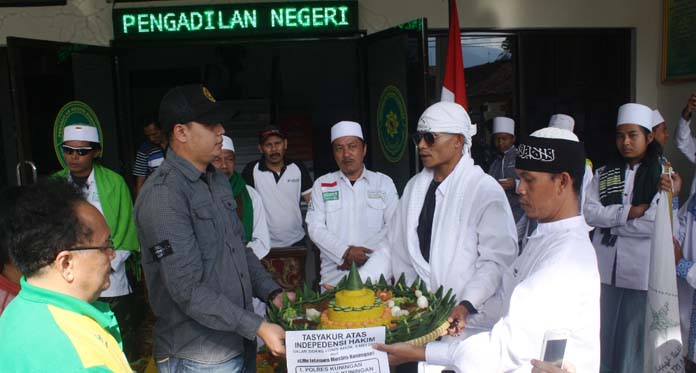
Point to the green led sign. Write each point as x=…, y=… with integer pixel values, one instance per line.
x=229, y=20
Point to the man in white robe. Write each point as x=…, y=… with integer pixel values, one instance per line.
x=349, y=210
x=453, y=226
x=552, y=286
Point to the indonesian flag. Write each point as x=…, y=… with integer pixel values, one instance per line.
x=663, y=344
x=454, y=86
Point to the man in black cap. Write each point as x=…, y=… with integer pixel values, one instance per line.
x=200, y=276
x=281, y=182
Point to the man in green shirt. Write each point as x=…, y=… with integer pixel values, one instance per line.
x=62, y=245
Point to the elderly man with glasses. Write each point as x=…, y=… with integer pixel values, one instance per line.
x=107, y=192
x=62, y=245
x=453, y=226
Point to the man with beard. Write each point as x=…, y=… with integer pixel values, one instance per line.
x=281, y=182
x=61, y=243
x=349, y=210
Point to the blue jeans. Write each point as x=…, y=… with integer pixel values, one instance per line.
x=176, y=365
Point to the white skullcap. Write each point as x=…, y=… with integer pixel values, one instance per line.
x=80, y=132
x=503, y=125
x=635, y=114
x=562, y=121
x=446, y=117
x=555, y=133
x=227, y=143
x=657, y=118
x=346, y=128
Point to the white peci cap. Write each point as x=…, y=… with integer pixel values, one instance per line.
x=555, y=133
x=227, y=143
x=503, y=125
x=635, y=114
x=562, y=121
x=657, y=118
x=346, y=128
x=80, y=132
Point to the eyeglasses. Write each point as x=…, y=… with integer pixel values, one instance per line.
x=428, y=137
x=80, y=151
x=108, y=246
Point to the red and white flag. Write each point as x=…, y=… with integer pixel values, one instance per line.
x=454, y=86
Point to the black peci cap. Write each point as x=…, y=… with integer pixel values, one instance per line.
x=189, y=103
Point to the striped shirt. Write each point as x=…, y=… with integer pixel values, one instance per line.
x=148, y=158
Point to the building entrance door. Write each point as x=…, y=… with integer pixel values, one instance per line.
x=46, y=75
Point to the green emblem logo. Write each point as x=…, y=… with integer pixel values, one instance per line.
x=330, y=196
x=392, y=124
x=74, y=112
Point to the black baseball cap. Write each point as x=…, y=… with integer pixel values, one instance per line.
x=189, y=103
x=271, y=131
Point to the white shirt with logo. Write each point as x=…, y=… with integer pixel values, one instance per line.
x=342, y=214
x=281, y=199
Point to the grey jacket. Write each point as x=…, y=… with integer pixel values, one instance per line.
x=200, y=276
x=503, y=167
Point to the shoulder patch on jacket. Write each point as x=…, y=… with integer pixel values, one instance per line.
x=161, y=250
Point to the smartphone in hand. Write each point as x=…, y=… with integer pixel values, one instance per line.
x=553, y=349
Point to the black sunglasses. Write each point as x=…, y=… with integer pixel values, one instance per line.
x=80, y=151
x=108, y=246
x=428, y=137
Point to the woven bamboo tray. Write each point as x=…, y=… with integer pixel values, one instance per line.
x=435, y=334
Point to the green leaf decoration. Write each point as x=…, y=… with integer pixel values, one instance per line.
x=354, y=282
x=342, y=283
x=422, y=287
x=414, y=284
x=382, y=281
x=402, y=280
x=307, y=291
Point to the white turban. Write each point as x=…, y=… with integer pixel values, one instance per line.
x=227, y=143
x=447, y=117
x=346, y=128
x=81, y=132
